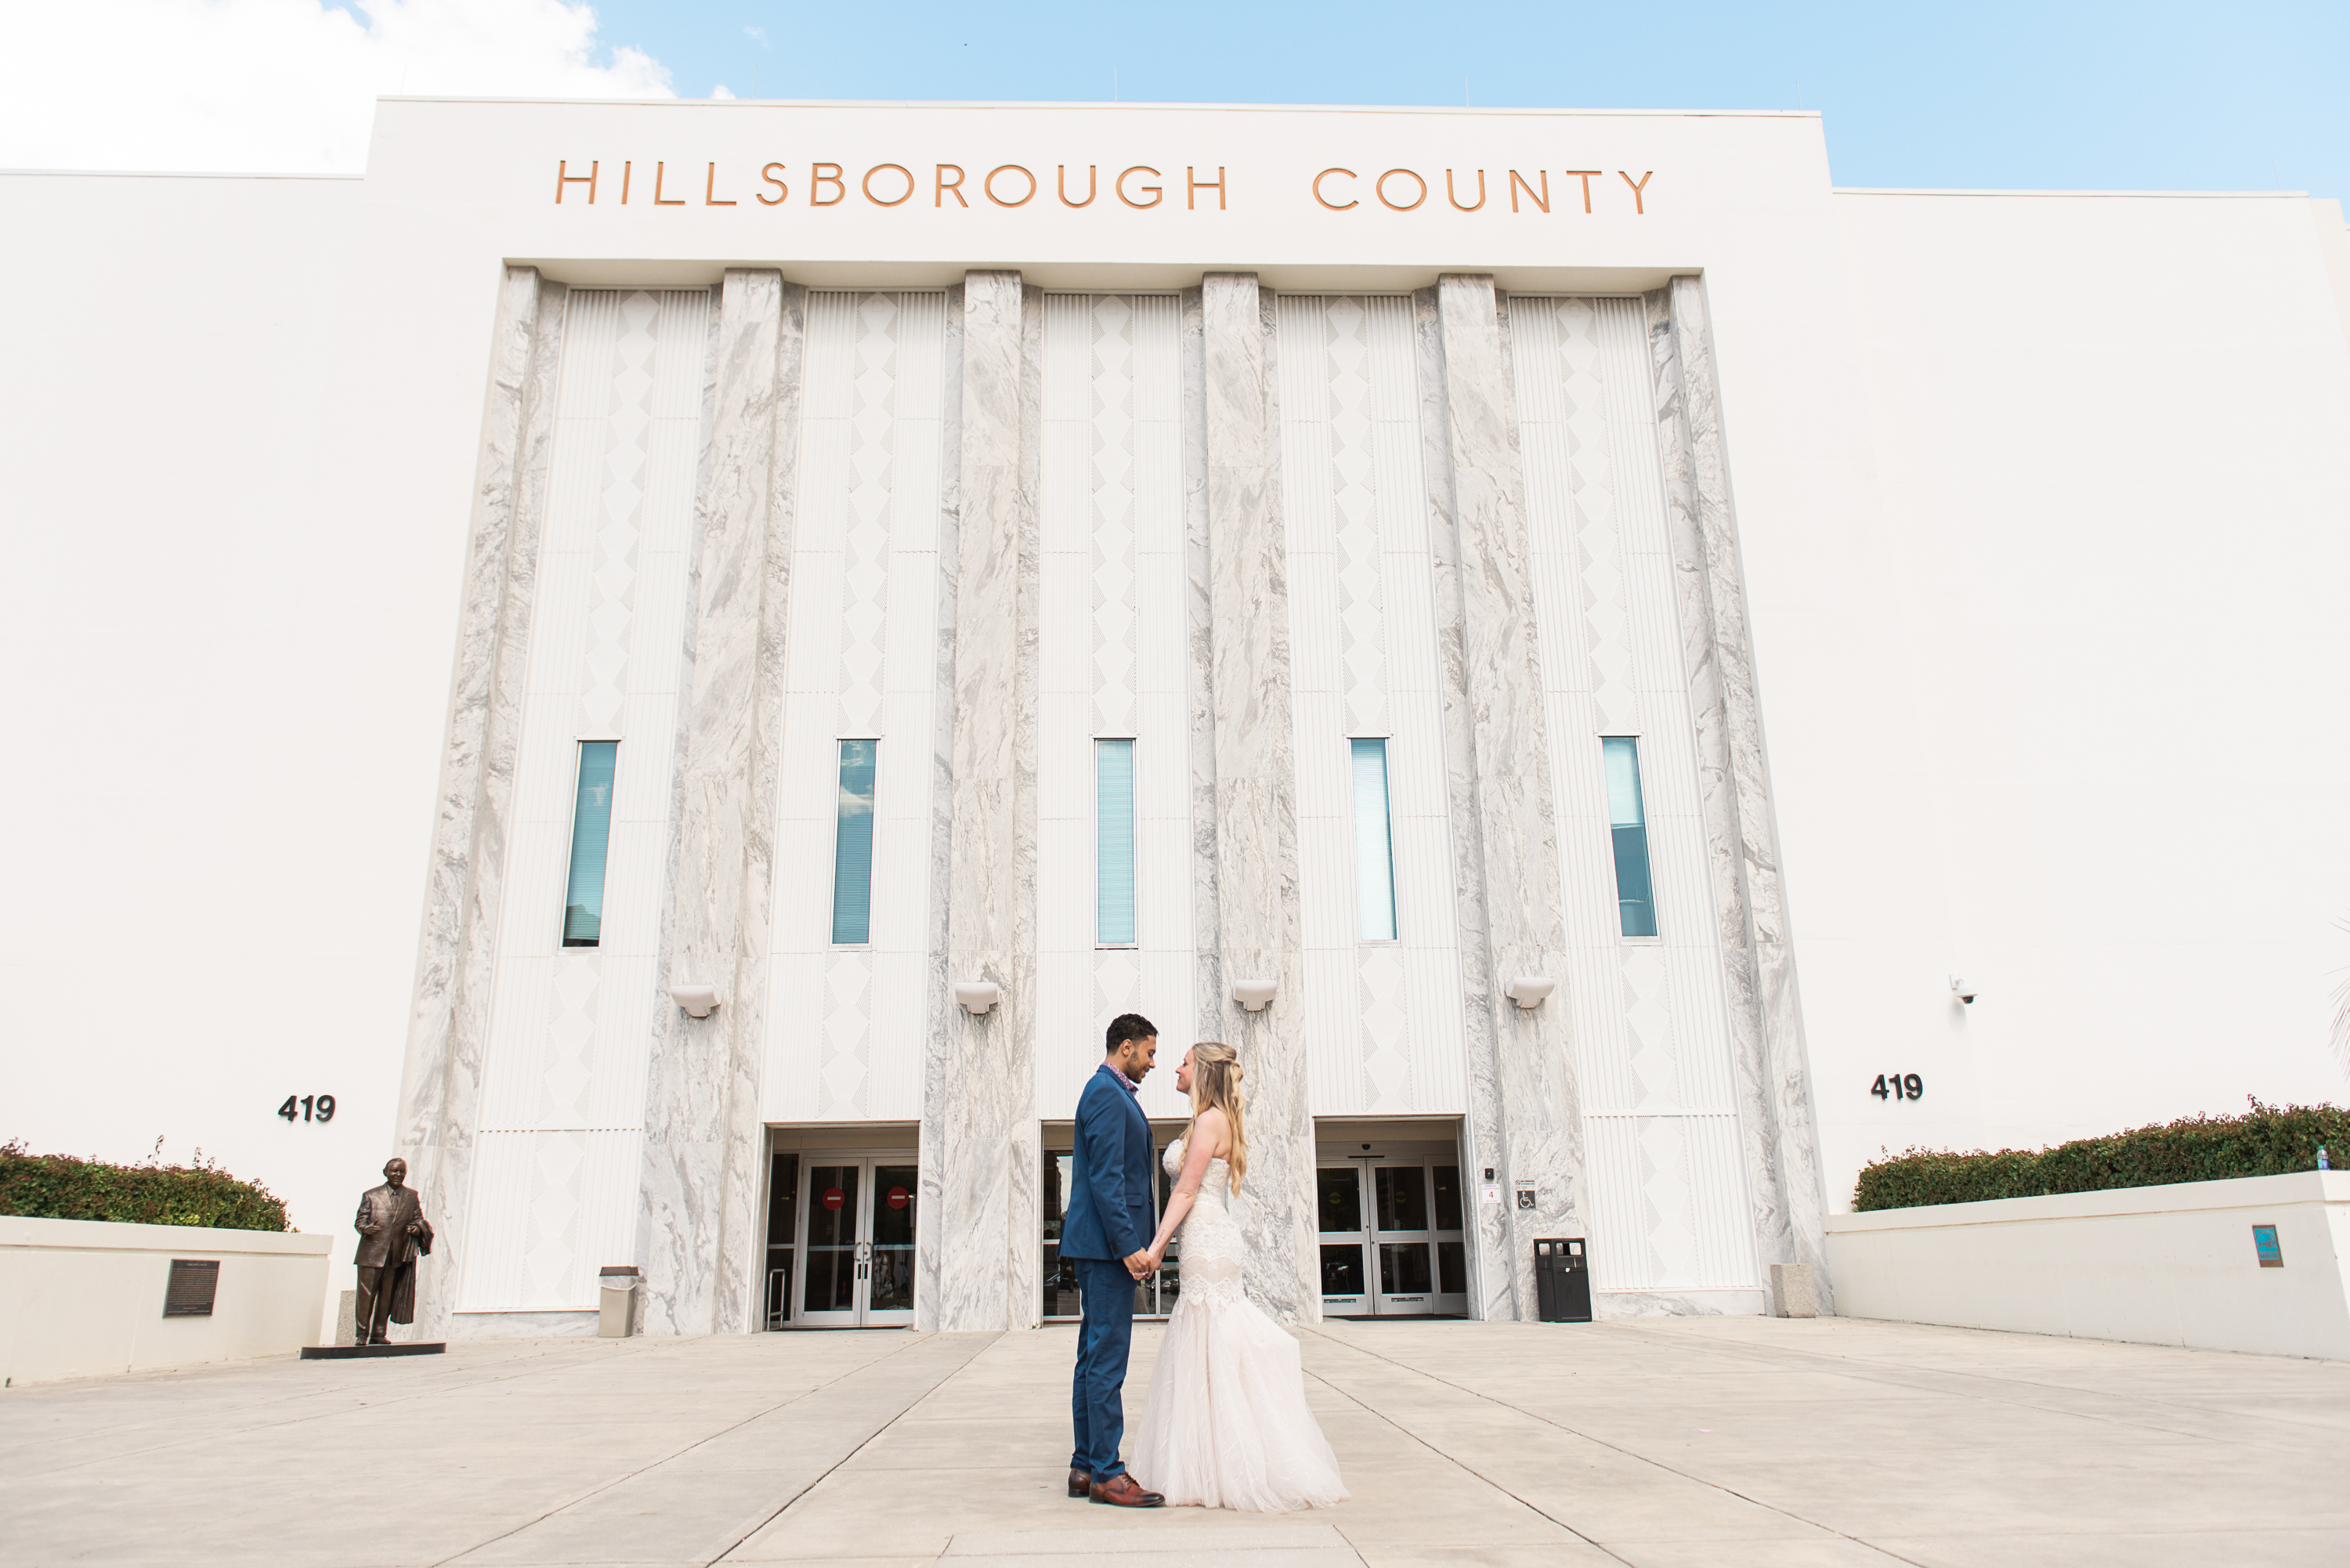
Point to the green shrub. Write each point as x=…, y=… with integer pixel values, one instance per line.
x=59, y=1187
x=2268, y=1140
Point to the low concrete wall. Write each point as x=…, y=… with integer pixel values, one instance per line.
x=2160, y=1266
x=80, y=1297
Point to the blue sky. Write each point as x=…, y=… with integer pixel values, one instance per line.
x=2146, y=96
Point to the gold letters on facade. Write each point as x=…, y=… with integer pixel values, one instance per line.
x=1011, y=185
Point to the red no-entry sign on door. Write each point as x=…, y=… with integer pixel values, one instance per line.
x=834, y=1198
x=900, y=1198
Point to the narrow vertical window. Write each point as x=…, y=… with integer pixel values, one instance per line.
x=1627, y=823
x=1113, y=844
x=591, y=839
x=1374, y=849
x=852, y=847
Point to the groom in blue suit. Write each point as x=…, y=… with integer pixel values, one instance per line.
x=1107, y=1233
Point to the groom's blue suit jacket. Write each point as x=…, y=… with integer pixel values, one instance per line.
x=1109, y=1212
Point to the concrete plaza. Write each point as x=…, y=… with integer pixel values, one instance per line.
x=1653, y=1442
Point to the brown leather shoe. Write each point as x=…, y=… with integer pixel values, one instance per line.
x=1080, y=1484
x=1125, y=1492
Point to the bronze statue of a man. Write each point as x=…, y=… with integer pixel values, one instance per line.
x=393, y=1232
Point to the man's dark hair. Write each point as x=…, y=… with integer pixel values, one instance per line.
x=1128, y=1026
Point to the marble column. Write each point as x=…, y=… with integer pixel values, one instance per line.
x=979, y=1249
x=1210, y=994
x=1524, y=1122
x=1772, y=1064
x=698, y=1220
x=449, y=1011
x=1252, y=740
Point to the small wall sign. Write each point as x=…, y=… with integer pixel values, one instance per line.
x=1525, y=1197
x=194, y=1283
x=2264, y=1242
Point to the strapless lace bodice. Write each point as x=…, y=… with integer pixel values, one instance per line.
x=1212, y=1250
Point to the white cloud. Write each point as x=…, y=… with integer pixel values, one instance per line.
x=274, y=85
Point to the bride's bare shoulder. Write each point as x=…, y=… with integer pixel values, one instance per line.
x=1215, y=1131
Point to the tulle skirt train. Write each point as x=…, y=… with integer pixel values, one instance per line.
x=1226, y=1423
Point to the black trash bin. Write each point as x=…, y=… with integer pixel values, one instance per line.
x=1562, y=1281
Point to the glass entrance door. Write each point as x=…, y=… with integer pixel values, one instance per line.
x=1401, y=1247
x=857, y=1253
x=1338, y=1200
x=1390, y=1238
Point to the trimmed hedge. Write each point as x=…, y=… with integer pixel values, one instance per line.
x=59, y=1187
x=2268, y=1140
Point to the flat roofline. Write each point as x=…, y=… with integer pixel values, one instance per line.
x=2133, y=195
x=1119, y=104
x=177, y=174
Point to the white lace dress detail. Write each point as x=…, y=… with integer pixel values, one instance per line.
x=1225, y=1423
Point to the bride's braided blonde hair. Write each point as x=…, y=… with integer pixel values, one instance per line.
x=1216, y=1081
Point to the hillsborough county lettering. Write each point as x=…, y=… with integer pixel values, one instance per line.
x=1587, y=192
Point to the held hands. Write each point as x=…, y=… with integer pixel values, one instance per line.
x=1140, y=1264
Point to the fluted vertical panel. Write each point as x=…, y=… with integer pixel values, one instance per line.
x=1668, y=1215
x=1254, y=791
x=1110, y=642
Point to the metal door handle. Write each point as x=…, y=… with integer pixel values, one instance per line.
x=863, y=1251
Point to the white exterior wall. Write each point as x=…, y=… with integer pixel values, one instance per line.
x=81, y=1298
x=2038, y=497
x=2108, y=786
x=2160, y=1266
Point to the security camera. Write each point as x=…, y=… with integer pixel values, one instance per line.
x=1962, y=987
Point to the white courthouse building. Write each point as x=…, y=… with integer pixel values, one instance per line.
x=1555, y=634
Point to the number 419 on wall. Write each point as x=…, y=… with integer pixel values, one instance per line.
x=1889, y=1086
x=312, y=1107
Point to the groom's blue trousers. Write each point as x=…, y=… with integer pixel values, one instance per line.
x=1096, y=1394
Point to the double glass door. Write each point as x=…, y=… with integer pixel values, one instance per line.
x=1392, y=1241
x=857, y=1241
x=1153, y=1297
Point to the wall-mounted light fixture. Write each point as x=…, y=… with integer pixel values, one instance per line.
x=1529, y=990
x=699, y=1001
x=977, y=996
x=1962, y=987
x=1253, y=994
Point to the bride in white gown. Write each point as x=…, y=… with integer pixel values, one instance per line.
x=1226, y=1423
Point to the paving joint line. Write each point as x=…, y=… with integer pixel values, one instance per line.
x=1628, y=1453
x=655, y=1464
x=1900, y=1377
x=911, y=1407
x=1457, y=1463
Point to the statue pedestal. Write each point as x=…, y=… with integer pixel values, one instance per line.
x=369, y=1352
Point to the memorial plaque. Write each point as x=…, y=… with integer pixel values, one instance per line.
x=193, y=1283
x=2264, y=1242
